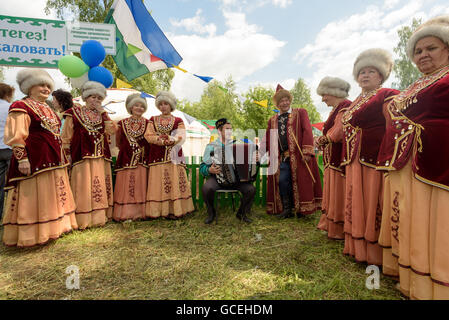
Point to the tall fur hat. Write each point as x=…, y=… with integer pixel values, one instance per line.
x=166, y=96
x=376, y=58
x=334, y=87
x=92, y=87
x=435, y=27
x=28, y=78
x=281, y=93
x=132, y=99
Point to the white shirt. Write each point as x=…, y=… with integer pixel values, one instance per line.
x=4, y=108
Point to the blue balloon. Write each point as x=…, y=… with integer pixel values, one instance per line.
x=102, y=75
x=93, y=53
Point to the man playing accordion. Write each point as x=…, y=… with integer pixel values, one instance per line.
x=217, y=166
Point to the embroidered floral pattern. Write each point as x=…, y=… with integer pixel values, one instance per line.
x=132, y=185
x=108, y=186
x=378, y=222
x=91, y=119
x=49, y=119
x=164, y=125
x=348, y=209
x=134, y=129
x=408, y=97
x=167, y=181
x=395, y=217
x=182, y=180
x=62, y=193
x=96, y=190
x=20, y=153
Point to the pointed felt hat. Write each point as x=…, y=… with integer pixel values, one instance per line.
x=281, y=93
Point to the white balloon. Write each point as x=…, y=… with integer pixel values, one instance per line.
x=78, y=82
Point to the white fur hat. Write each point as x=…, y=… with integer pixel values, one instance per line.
x=376, y=58
x=435, y=27
x=28, y=78
x=92, y=87
x=334, y=87
x=168, y=97
x=132, y=99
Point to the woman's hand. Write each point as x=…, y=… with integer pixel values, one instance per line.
x=25, y=168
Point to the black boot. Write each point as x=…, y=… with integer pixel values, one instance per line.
x=211, y=217
x=243, y=217
x=286, y=204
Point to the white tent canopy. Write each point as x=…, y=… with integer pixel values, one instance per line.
x=197, y=136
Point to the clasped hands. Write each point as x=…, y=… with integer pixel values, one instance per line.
x=167, y=140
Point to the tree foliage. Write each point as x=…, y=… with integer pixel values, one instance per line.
x=218, y=100
x=96, y=11
x=404, y=69
x=254, y=116
x=303, y=99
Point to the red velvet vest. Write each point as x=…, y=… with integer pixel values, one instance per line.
x=418, y=127
x=89, y=140
x=43, y=144
x=333, y=152
x=161, y=154
x=134, y=149
x=364, y=127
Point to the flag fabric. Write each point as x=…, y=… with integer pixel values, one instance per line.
x=122, y=84
x=205, y=79
x=142, y=47
x=146, y=95
x=263, y=103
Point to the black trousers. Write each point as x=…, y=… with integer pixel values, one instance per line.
x=247, y=189
x=5, y=157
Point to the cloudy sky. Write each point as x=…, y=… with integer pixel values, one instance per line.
x=265, y=42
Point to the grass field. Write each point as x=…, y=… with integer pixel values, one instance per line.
x=185, y=259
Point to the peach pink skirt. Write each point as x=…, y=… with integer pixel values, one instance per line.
x=130, y=194
x=415, y=235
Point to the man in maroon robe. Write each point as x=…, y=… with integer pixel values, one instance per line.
x=294, y=184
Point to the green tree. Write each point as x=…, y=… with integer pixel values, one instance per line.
x=96, y=11
x=303, y=99
x=218, y=100
x=254, y=116
x=404, y=69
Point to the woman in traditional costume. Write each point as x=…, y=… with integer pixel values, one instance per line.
x=334, y=92
x=364, y=128
x=85, y=138
x=40, y=204
x=169, y=193
x=415, y=151
x=132, y=162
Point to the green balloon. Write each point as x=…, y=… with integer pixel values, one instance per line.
x=72, y=66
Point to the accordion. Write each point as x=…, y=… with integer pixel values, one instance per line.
x=237, y=163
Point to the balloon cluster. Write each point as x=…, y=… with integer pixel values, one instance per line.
x=88, y=69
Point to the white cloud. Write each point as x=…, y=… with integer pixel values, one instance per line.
x=282, y=3
x=195, y=24
x=340, y=42
x=25, y=8
x=242, y=50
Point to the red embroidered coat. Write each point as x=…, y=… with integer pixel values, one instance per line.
x=134, y=149
x=43, y=146
x=89, y=139
x=364, y=127
x=163, y=154
x=307, y=195
x=418, y=128
x=333, y=151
